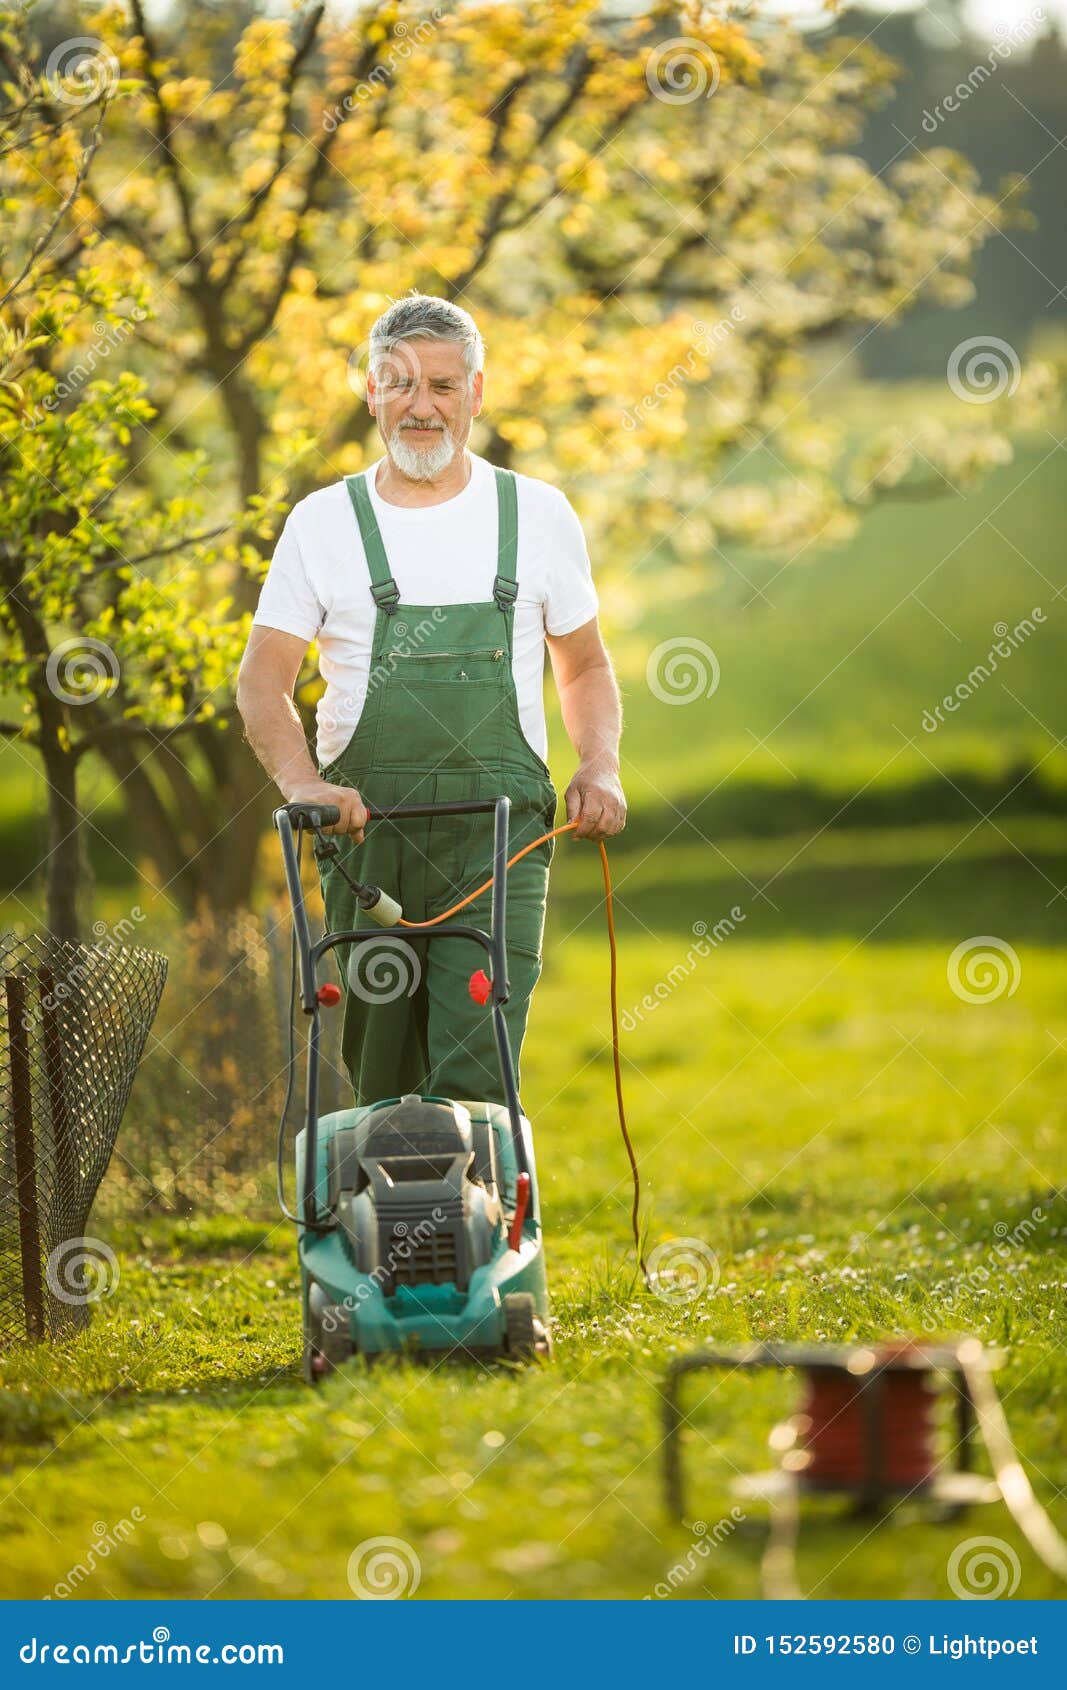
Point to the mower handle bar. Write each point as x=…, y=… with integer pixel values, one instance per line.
x=288, y=819
x=328, y=815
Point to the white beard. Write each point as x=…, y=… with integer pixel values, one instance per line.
x=421, y=463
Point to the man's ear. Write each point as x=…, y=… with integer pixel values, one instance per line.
x=477, y=386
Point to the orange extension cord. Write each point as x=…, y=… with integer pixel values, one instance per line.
x=609, y=904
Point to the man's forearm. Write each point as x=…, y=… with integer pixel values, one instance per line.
x=592, y=714
x=274, y=731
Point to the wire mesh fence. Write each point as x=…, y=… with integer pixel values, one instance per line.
x=74, y=1019
x=200, y=1133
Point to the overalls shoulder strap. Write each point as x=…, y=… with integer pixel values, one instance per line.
x=384, y=589
x=506, y=586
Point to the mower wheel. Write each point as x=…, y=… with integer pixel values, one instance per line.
x=525, y=1334
x=329, y=1344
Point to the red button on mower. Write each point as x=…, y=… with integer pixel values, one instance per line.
x=480, y=986
x=329, y=994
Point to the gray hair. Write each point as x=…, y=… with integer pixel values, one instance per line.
x=424, y=316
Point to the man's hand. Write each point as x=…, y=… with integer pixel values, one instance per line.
x=353, y=810
x=592, y=715
x=595, y=800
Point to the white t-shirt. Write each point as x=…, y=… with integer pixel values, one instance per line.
x=318, y=583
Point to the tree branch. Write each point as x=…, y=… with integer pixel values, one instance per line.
x=163, y=134
x=240, y=225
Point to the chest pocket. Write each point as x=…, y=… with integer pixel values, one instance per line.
x=413, y=670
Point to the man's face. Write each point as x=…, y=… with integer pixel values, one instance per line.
x=424, y=403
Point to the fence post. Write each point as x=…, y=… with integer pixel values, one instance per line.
x=25, y=1166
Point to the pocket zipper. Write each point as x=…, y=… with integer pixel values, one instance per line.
x=424, y=656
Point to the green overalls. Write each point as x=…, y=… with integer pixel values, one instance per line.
x=440, y=721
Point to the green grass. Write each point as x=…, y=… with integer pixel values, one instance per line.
x=809, y=1098
x=847, y=1136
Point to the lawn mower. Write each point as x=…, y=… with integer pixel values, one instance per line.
x=418, y=1216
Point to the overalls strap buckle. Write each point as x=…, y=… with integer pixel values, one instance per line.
x=386, y=594
x=505, y=592
x=384, y=589
x=506, y=586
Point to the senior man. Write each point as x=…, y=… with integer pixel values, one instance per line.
x=432, y=583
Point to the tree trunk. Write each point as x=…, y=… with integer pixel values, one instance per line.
x=67, y=869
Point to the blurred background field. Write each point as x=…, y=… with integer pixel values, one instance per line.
x=813, y=1098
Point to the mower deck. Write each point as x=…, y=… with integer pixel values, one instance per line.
x=414, y=1254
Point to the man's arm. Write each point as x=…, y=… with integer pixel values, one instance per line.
x=265, y=683
x=592, y=714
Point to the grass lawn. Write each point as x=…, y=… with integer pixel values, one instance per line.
x=850, y=1140
x=856, y=1149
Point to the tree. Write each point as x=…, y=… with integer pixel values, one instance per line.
x=652, y=216
x=108, y=653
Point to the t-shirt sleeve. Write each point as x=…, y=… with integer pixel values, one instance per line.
x=570, y=596
x=287, y=600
